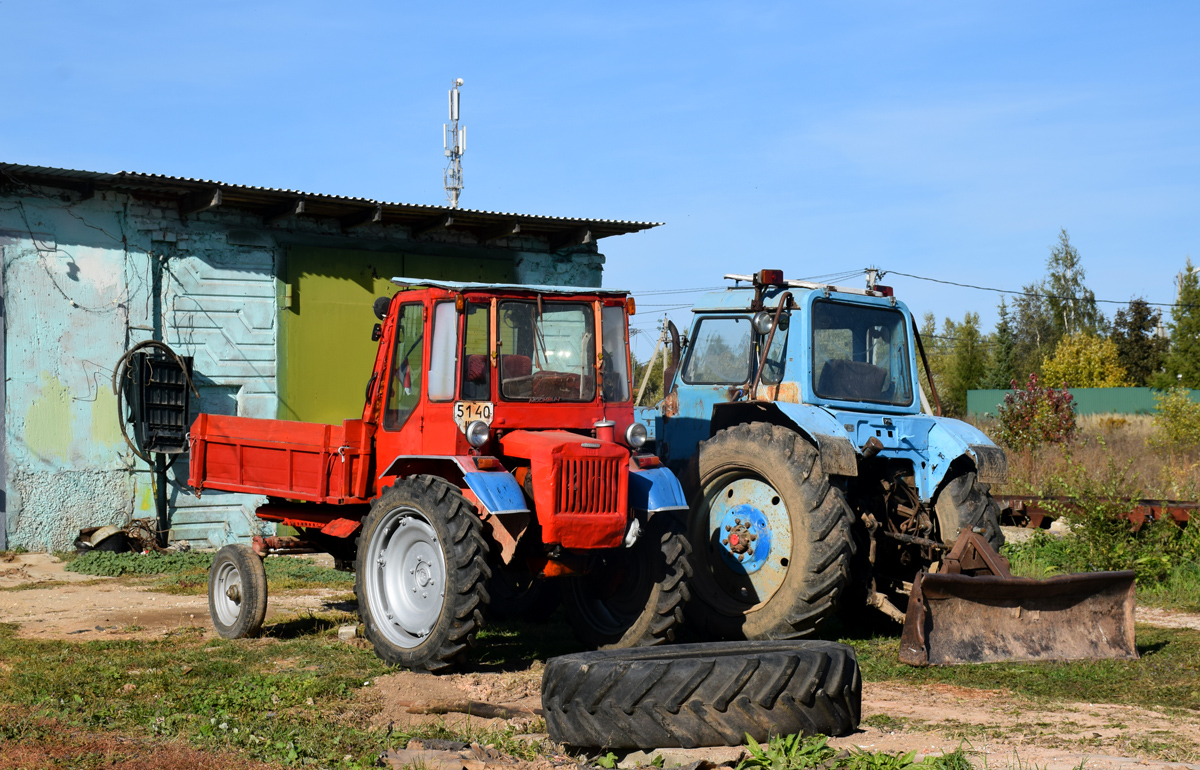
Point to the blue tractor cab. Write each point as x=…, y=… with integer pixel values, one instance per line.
x=818, y=478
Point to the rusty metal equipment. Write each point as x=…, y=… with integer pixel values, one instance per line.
x=972, y=610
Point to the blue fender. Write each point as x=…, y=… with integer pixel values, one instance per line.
x=655, y=489
x=499, y=492
x=838, y=454
x=950, y=439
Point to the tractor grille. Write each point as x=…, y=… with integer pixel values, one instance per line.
x=590, y=484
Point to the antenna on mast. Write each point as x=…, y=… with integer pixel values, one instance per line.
x=454, y=142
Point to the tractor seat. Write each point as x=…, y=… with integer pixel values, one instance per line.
x=851, y=380
x=475, y=380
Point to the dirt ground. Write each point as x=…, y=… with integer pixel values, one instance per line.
x=997, y=727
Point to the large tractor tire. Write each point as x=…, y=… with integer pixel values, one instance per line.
x=693, y=695
x=237, y=592
x=635, y=596
x=963, y=502
x=771, y=537
x=421, y=569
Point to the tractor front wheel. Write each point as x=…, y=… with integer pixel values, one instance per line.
x=634, y=597
x=771, y=537
x=421, y=569
x=964, y=502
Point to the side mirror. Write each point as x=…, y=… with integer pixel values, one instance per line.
x=676, y=348
x=381, y=307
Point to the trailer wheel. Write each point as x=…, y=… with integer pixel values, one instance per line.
x=635, y=596
x=421, y=569
x=771, y=537
x=963, y=502
x=237, y=592
x=694, y=695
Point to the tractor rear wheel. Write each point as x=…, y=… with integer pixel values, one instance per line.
x=964, y=502
x=635, y=596
x=237, y=592
x=771, y=537
x=421, y=569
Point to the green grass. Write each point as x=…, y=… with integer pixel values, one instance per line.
x=187, y=573
x=1046, y=555
x=1167, y=676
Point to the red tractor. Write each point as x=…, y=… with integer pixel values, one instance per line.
x=497, y=436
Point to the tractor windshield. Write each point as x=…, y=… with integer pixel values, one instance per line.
x=547, y=351
x=860, y=353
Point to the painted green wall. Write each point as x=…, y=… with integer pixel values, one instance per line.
x=1087, y=400
x=325, y=329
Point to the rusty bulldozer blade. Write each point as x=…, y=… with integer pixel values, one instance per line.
x=975, y=611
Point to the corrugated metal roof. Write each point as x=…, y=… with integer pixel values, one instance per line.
x=193, y=194
x=532, y=287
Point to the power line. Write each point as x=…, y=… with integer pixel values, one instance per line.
x=1023, y=293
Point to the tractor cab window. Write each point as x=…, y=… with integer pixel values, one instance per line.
x=720, y=352
x=860, y=353
x=477, y=370
x=404, y=383
x=547, y=351
x=615, y=372
x=443, y=352
x=775, y=364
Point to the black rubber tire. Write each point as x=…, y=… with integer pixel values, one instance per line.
x=519, y=596
x=635, y=596
x=963, y=502
x=459, y=535
x=252, y=585
x=818, y=568
x=693, y=695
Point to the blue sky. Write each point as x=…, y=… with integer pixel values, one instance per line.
x=943, y=139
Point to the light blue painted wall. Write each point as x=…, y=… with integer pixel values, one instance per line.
x=78, y=293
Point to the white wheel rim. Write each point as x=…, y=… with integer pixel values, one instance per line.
x=405, y=577
x=228, y=593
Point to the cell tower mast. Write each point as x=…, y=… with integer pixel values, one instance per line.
x=454, y=142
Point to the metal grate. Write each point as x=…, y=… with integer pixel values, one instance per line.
x=589, y=485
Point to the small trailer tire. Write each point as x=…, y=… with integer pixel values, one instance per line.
x=421, y=570
x=692, y=695
x=237, y=592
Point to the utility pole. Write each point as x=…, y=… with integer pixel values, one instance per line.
x=454, y=143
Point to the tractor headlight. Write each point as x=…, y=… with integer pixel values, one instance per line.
x=635, y=435
x=763, y=318
x=477, y=433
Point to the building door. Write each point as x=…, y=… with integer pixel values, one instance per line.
x=325, y=348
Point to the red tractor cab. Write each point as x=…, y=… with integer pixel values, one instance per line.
x=497, y=447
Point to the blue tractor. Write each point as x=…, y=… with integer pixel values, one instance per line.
x=817, y=482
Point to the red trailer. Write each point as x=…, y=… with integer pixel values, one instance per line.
x=497, y=435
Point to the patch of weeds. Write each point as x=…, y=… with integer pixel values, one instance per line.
x=1165, y=676
x=887, y=722
x=187, y=573
x=793, y=752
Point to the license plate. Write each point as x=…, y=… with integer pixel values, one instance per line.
x=467, y=412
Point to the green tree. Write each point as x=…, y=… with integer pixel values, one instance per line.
x=1084, y=361
x=1034, y=332
x=1183, y=361
x=1139, y=347
x=935, y=350
x=1072, y=305
x=1002, y=365
x=966, y=363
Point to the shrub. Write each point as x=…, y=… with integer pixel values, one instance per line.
x=1176, y=421
x=1085, y=361
x=1035, y=415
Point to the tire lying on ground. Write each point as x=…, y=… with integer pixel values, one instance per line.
x=692, y=695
